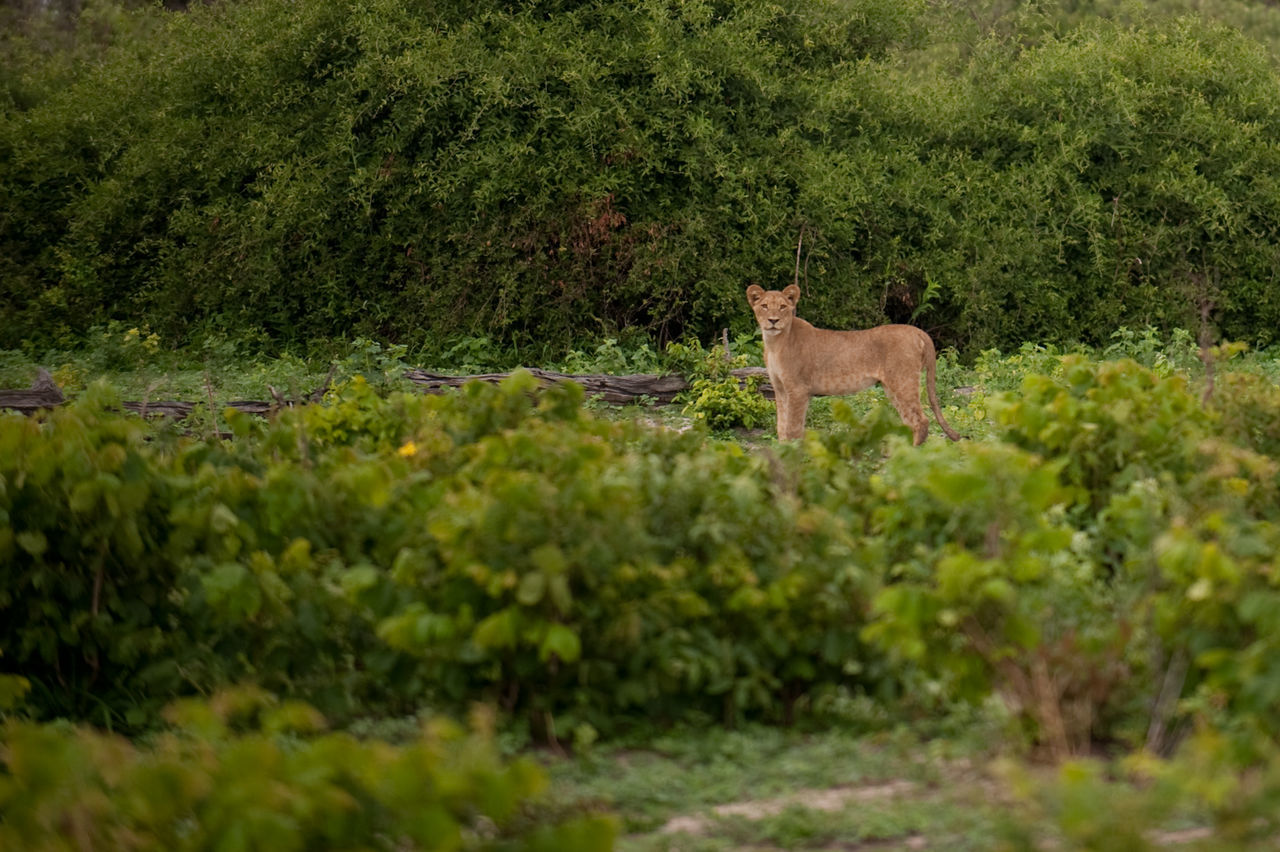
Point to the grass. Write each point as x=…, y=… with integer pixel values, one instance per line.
x=770, y=788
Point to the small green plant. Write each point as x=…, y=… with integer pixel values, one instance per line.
x=723, y=404
x=998, y=372
x=1146, y=346
x=473, y=354
x=117, y=347
x=693, y=361
x=613, y=358
x=1201, y=797
x=381, y=365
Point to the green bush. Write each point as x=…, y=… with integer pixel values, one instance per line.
x=1103, y=562
x=86, y=587
x=226, y=776
x=384, y=552
x=1107, y=567
x=1064, y=188
x=550, y=173
x=727, y=403
x=716, y=398
x=991, y=589
x=1143, y=802
x=539, y=171
x=1111, y=423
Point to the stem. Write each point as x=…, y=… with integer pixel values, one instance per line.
x=799, y=243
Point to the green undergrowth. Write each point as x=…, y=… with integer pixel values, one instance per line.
x=1095, y=563
x=793, y=789
x=244, y=771
x=144, y=367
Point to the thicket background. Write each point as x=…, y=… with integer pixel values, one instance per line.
x=546, y=171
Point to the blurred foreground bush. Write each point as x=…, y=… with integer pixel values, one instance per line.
x=242, y=771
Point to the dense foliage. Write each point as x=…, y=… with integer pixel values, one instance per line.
x=1106, y=176
x=222, y=777
x=1102, y=564
x=406, y=167
x=540, y=172
x=379, y=553
x=1103, y=558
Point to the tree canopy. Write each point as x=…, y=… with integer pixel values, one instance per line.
x=546, y=171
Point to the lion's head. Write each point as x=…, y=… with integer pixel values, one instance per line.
x=774, y=309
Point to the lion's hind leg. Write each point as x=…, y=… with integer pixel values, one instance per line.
x=907, y=404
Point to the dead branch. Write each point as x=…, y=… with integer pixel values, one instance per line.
x=618, y=390
x=43, y=393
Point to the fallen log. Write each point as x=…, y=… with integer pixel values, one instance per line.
x=618, y=390
x=43, y=393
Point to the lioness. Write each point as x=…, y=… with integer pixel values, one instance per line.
x=804, y=361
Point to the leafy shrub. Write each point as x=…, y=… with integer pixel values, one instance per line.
x=1052, y=188
x=628, y=570
x=1111, y=422
x=992, y=591
x=1106, y=569
x=545, y=171
x=1103, y=563
x=716, y=397
x=611, y=357
x=1249, y=408
x=85, y=583
x=1143, y=802
x=1180, y=353
x=383, y=552
x=729, y=403
x=550, y=172
x=223, y=778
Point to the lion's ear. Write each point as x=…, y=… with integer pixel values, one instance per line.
x=754, y=292
x=792, y=295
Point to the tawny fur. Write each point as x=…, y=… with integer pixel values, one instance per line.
x=804, y=362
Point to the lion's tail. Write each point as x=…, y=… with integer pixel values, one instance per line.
x=931, y=384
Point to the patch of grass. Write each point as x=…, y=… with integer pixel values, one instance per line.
x=776, y=788
x=954, y=817
x=143, y=370
x=692, y=771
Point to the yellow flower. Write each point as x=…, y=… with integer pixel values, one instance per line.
x=409, y=449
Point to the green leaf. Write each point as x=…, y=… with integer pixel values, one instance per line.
x=532, y=586
x=499, y=630
x=549, y=559
x=561, y=596
x=359, y=579
x=233, y=590
x=33, y=542
x=12, y=690
x=562, y=642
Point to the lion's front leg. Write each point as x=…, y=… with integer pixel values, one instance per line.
x=792, y=407
x=780, y=405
